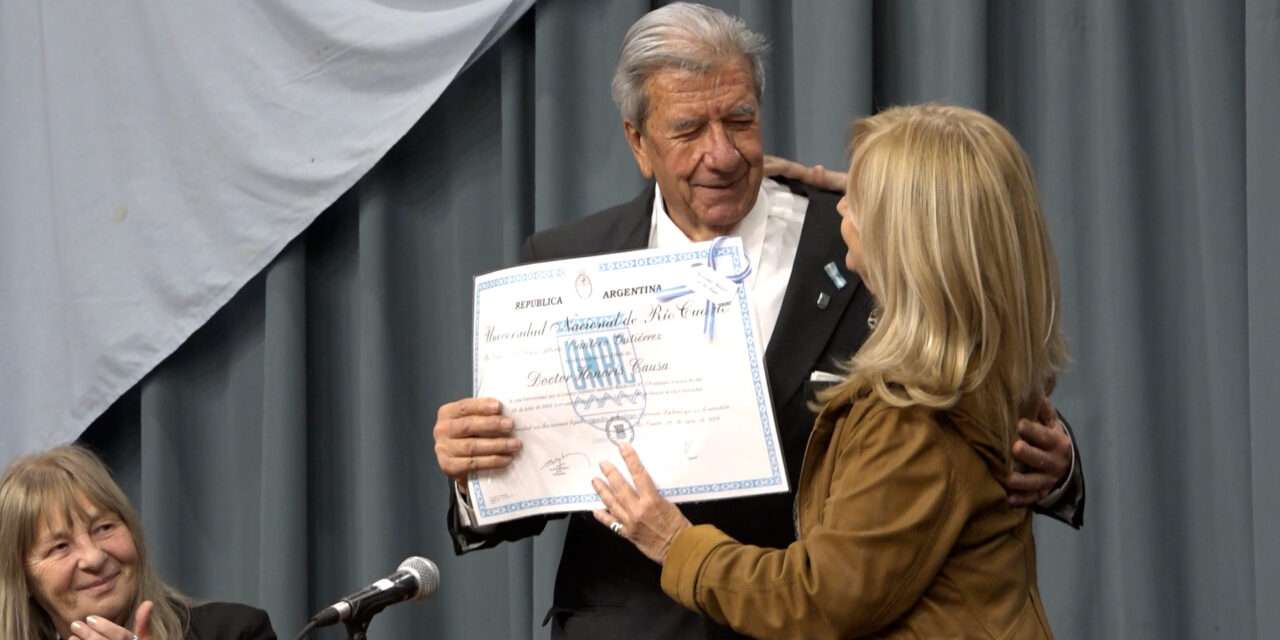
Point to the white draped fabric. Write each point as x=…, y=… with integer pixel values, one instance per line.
x=157, y=155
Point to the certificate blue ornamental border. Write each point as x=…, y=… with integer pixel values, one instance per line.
x=546, y=274
x=734, y=253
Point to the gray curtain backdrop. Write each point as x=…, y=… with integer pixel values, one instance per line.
x=283, y=456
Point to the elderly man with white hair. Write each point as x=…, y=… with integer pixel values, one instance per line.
x=688, y=85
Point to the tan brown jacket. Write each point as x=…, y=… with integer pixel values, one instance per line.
x=903, y=532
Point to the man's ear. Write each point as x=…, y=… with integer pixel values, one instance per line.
x=635, y=140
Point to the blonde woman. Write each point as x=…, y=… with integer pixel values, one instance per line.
x=904, y=527
x=73, y=563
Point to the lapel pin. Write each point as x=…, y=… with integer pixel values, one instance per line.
x=823, y=300
x=837, y=278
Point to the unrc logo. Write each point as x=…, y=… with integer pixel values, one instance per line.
x=605, y=389
x=597, y=362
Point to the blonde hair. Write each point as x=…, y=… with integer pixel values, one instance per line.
x=959, y=259
x=57, y=482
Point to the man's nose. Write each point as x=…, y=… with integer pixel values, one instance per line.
x=721, y=154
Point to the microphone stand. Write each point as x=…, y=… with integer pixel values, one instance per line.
x=357, y=628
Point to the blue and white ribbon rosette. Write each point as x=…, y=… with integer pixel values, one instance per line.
x=715, y=287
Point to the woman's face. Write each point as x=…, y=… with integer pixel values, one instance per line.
x=83, y=568
x=849, y=231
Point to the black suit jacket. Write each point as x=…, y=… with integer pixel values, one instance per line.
x=229, y=621
x=604, y=587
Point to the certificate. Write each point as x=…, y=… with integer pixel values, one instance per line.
x=657, y=348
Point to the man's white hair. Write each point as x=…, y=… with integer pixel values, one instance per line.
x=681, y=35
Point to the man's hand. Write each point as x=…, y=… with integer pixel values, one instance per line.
x=815, y=176
x=1045, y=448
x=472, y=434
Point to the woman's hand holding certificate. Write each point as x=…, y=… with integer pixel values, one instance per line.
x=651, y=523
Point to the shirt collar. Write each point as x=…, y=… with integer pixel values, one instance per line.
x=663, y=232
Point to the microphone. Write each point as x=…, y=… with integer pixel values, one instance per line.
x=417, y=578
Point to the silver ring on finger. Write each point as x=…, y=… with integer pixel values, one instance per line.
x=616, y=527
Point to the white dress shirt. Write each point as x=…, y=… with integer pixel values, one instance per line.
x=770, y=236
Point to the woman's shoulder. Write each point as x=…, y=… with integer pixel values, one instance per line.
x=230, y=621
x=869, y=421
x=950, y=438
x=876, y=427
x=868, y=412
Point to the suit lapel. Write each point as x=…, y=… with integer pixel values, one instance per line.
x=633, y=232
x=804, y=328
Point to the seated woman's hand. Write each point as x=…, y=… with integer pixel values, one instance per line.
x=639, y=514
x=98, y=628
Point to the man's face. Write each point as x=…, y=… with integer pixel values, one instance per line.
x=701, y=141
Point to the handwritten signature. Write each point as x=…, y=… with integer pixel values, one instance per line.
x=559, y=465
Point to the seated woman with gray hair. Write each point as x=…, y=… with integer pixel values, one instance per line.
x=904, y=529
x=73, y=563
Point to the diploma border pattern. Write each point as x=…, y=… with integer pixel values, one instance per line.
x=775, y=478
x=486, y=284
